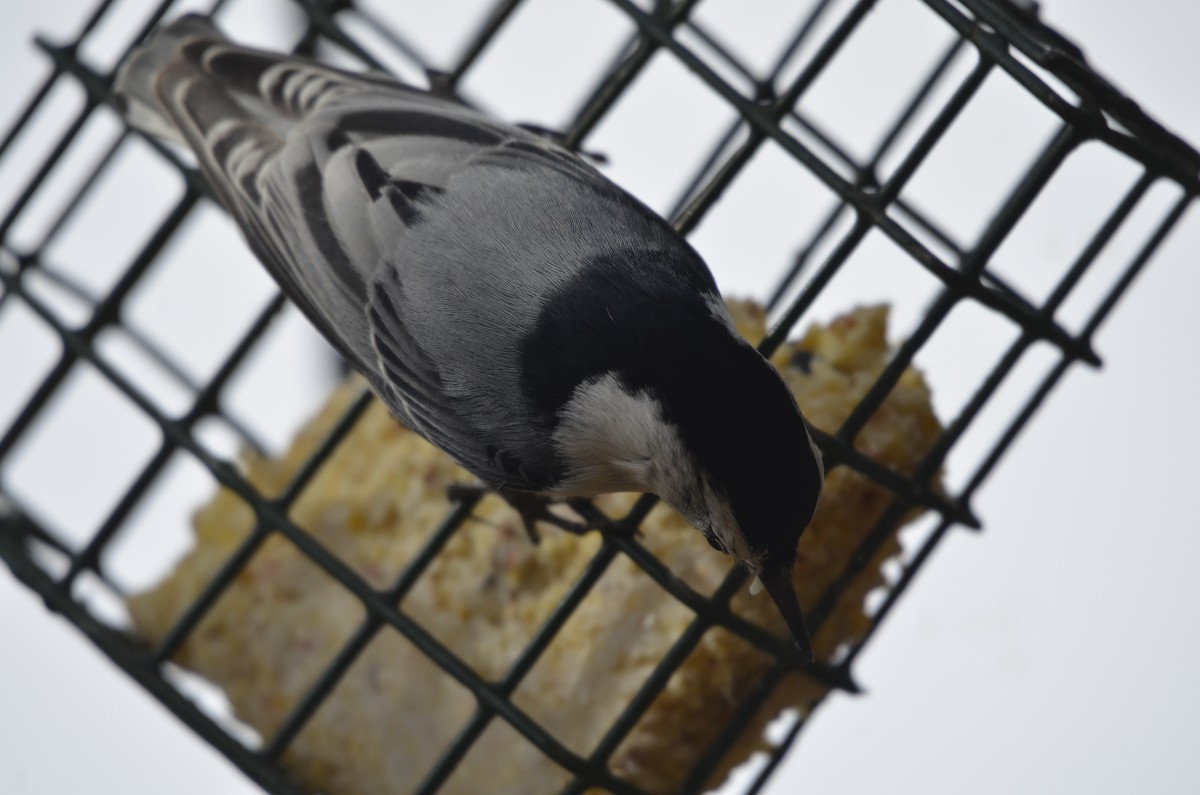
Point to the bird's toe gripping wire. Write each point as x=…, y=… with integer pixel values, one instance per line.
x=530, y=506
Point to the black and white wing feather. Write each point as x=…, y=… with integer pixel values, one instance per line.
x=365, y=198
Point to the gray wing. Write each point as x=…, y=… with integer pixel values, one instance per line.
x=419, y=236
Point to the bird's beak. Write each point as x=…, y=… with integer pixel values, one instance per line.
x=777, y=580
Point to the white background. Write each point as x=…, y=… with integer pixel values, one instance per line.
x=1053, y=653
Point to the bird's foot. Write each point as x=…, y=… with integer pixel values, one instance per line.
x=530, y=506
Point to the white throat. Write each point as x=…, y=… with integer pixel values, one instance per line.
x=617, y=439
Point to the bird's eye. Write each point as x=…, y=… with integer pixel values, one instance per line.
x=714, y=540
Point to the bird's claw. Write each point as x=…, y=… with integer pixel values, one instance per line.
x=534, y=508
x=531, y=507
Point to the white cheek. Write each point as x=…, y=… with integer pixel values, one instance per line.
x=614, y=439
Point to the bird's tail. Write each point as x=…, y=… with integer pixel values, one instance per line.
x=189, y=83
x=136, y=85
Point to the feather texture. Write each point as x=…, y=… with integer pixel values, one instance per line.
x=421, y=237
x=504, y=299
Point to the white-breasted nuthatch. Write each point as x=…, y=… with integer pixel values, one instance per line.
x=502, y=297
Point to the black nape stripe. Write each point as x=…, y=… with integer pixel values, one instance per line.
x=653, y=310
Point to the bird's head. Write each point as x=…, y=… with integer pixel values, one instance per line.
x=755, y=474
x=701, y=419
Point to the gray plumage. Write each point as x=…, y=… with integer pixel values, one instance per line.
x=503, y=298
x=286, y=142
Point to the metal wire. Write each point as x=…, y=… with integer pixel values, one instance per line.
x=998, y=35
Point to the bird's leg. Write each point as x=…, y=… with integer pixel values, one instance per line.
x=534, y=508
x=530, y=506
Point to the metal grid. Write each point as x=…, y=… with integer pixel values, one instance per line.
x=993, y=35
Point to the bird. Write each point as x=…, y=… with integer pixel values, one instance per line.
x=502, y=297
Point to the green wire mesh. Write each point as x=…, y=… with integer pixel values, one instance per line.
x=864, y=190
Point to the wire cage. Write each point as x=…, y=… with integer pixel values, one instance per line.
x=861, y=169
